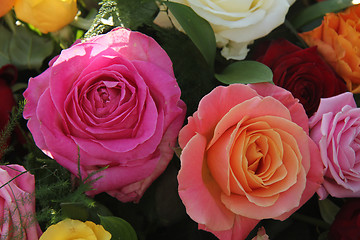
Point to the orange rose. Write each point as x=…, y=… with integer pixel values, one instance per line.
x=6, y=6
x=338, y=41
x=246, y=156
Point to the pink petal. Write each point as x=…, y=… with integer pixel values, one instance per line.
x=297, y=112
x=199, y=193
x=36, y=87
x=241, y=229
x=217, y=103
x=332, y=104
x=54, y=134
x=134, y=191
x=314, y=178
x=135, y=46
x=24, y=181
x=116, y=177
x=67, y=68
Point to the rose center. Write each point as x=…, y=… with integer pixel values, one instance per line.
x=254, y=156
x=104, y=94
x=103, y=98
x=256, y=152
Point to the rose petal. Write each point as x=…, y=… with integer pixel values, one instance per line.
x=332, y=104
x=296, y=110
x=136, y=46
x=199, y=193
x=240, y=230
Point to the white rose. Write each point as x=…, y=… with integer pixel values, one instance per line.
x=237, y=23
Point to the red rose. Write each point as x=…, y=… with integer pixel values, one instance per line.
x=302, y=72
x=346, y=225
x=8, y=75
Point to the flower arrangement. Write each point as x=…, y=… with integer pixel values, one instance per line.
x=180, y=119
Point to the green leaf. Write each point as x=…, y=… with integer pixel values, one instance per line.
x=75, y=211
x=5, y=38
x=198, y=30
x=119, y=228
x=107, y=18
x=245, y=72
x=28, y=50
x=124, y=13
x=135, y=13
x=318, y=10
x=98, y=210
x=192, y=73
x=328, y=210
x=323, y=235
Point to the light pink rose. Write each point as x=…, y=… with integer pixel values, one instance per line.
x=17, y=204
x=335, y=127
x=114, y=101
x=246, y=156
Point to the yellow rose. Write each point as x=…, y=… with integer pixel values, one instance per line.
x=74, y=229
x=46, y=15
x=5, y=6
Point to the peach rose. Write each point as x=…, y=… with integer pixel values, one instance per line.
x=246, y=156
x=338, y=41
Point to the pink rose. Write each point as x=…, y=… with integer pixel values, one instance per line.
x=113, y=100
x=17, y=209
x=246, y=156
x=335, y=127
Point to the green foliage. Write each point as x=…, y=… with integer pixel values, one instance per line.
x=60, y=195
x=5, y=39
x=245, y=72
x=193, y=74
x=198, y=30
x=54, y=187
x=318, y=10
x=107, y=18
x=119, y=228
x=7, y=131
x=328, y=210
x=323, y=235
x=135, y=13
x=79, y=211
x=124, y=13
x=74, y=210
x=23, y=48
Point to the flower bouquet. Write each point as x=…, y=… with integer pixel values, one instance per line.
x=181, y=119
